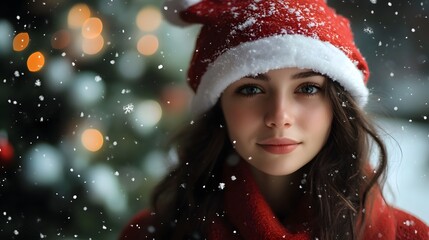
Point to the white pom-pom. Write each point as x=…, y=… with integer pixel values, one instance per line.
x=188, y=3
x=172, y=9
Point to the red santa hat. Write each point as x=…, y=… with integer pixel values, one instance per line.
x=247, y=37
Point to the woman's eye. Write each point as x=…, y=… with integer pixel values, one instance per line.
x=309, y=89
x=249, y=90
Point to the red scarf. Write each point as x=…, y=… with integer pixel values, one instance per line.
x=248, y=215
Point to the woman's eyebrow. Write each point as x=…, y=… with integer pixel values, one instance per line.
x=306, y=74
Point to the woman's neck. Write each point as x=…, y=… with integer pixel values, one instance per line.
x=280, y=192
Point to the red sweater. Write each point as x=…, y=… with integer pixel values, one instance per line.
x=248, y=216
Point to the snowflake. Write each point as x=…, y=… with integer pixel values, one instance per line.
x=368, y=30
x=125, y=91
x=408, y=223
x=128, y=108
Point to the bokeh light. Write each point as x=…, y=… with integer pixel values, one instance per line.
x=92, y=46
x=175, y=99
x=77, y=15
x=20, y=41
x=43, y=165
x=59, y=73
x=61, y=39
x=149, y=19
x=155, y=164
x=92, y=139
x=148, y=45
x=146, y=115
x=86, y=90
x=105, y=189
x=35, y=62
x=131, y=65
x=6, y=32
x=92, y=28
x=6, y=151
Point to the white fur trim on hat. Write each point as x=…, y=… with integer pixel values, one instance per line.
x=174, y=7
x=277, y=52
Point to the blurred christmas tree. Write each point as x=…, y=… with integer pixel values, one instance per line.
x=90, y=92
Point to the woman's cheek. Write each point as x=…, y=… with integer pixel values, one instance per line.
x=240, y=117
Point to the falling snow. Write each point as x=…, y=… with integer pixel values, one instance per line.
x=128, y=108
x=44, y=122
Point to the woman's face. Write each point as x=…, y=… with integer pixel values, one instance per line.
x=278, y=121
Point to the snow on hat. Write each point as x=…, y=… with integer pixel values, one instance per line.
x=247, y=37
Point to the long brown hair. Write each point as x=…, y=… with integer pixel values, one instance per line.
x=338, y=184
x=340, y=177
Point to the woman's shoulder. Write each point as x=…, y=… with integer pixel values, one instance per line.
x=389, y=222
x=143, y=225
x=409, y=226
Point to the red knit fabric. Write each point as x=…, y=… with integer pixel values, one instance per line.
x=249, y=217
x=248, y=212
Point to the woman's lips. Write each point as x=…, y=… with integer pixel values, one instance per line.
x=278, y=145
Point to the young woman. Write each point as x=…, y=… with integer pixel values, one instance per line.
x=280, y=145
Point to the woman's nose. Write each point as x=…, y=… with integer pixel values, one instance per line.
x=279, y=112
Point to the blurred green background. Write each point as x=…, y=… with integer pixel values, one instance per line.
x=91, y=91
